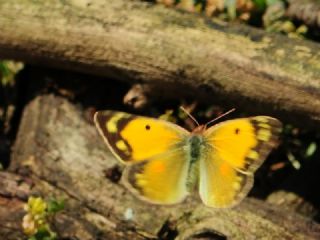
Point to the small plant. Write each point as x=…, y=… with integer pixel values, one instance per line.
x=8, y=70
x=36, y=223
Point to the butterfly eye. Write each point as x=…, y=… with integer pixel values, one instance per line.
x=237, y=131
x=148, y=127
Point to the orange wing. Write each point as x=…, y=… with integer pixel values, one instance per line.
x=160, y=180
x=134, y=138
x=220, y=185
x=244, y=143
x=235, y=149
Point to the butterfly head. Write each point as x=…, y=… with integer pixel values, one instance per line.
x=202, y=128
x=199, y=129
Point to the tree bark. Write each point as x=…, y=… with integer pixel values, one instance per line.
x=14, y=192
x=138, y=42
x=63, y=156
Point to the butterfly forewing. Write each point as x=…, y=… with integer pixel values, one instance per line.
x=158, y=167
x=134, y=138
x=244, y=143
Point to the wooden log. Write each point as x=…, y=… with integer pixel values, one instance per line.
x=64, y=156
x=14, y=191
x=179, y=53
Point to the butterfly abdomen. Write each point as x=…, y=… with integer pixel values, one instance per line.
x=195, y=144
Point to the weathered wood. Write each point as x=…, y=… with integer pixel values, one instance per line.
x=133, y=40
x=13, y=192
x=65, y=157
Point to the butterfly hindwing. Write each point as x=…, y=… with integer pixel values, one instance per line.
x=160, y=180
x=135, y=138
x=220, y=185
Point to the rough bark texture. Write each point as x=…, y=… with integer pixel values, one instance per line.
x=14, y=191
x=135, y=41
x=63, y=156
x=59, y=153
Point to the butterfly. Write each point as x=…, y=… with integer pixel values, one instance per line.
x=166, y=162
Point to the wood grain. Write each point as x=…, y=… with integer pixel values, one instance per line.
x=64, y=156
x=179, y=53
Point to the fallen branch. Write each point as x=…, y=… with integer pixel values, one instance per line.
x=135, y=41
x=66, y=158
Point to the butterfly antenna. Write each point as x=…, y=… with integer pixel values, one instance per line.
x=190, y=116
x=222, y=115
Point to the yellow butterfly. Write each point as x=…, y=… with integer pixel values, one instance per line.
x=166, y=162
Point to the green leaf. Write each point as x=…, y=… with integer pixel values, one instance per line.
x=294, y=162
x=231, y=8
x=8, y=70
x=45, y=234
x=55, y=206
x=260, y=4
x=311, y=149
x=271, y=2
